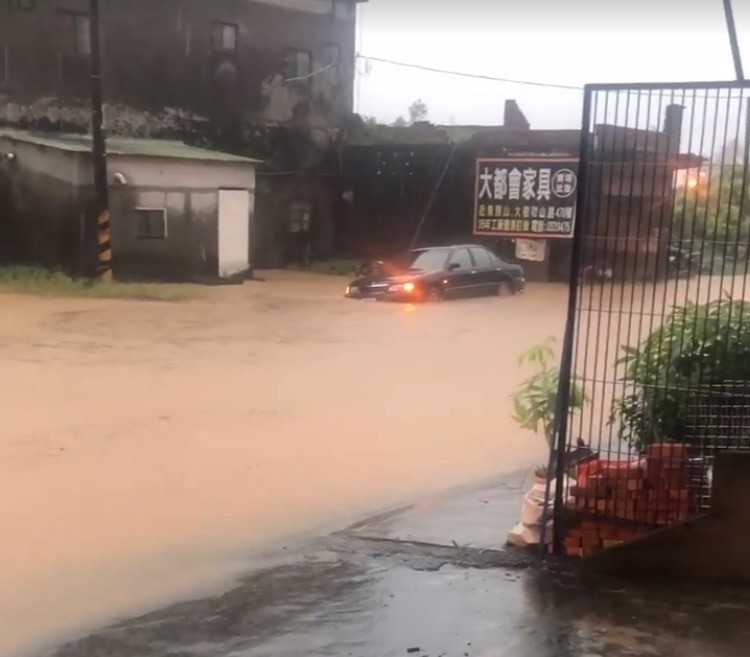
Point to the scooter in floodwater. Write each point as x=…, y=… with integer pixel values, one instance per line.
x=593, y=274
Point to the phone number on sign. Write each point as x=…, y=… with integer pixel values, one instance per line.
x=525, y=226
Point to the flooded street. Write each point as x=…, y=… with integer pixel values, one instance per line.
x=150, y=451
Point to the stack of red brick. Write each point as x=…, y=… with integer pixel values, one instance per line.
x=646, y=492
x=586, y=538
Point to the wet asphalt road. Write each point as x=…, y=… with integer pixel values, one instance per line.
x=399, y=582
x=369, y=605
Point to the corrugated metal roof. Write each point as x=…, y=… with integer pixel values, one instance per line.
x=125, y=146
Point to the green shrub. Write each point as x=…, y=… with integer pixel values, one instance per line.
x=696, y=346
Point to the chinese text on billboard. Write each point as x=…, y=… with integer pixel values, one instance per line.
x=526, y=197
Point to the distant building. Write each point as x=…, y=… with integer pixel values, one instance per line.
x=422, y=181
x=270, y=79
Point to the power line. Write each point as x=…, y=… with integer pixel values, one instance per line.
x=328, y=67
x=462, y=74
x=433, y=196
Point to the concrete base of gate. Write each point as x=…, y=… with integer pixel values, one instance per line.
x=714, y=548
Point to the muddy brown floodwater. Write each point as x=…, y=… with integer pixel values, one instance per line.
x=149, y=450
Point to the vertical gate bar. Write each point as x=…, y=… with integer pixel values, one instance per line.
x=701, y=378
x=644, y=220
x=638, y=215
x=666, y=225
x=592, y=208
x=698, y=386
x=681, y=221
x=592, y=240
x=743, y=195
x=711, y=185
x=566, y=361
x=652, y=215
x=694, y=225
x=732, y=387
x=728, y=243
x=746, y=254
x=600, y=236
x=614, y=255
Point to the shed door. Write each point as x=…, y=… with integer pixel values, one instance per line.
x=234, y=232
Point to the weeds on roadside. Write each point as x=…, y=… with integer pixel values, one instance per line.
x=43, y=282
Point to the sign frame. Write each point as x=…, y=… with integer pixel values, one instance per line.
x=539, y=161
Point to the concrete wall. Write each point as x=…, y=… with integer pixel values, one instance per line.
x=44, y=205
x=714, y=549
x=161, y=71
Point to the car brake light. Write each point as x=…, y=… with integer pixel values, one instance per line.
x=408, y=287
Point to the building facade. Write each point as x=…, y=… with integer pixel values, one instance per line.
x=270, y=79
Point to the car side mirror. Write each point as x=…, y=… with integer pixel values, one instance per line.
x=453, y=266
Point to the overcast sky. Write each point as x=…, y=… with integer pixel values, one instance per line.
x=556, y=41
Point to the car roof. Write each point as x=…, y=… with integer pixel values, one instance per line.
x=448, y=246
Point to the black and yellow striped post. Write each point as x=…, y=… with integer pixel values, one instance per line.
x=104, y=240
x=99, y=151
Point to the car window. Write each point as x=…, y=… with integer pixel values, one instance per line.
x=482, y=257
x=461, y=258
x=421, y=260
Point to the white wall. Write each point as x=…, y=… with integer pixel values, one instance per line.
x=342, y=9
x=173, y=173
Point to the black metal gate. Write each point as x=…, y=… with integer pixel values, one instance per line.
x=658, y=335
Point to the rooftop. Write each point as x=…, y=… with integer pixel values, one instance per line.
x=125, y=146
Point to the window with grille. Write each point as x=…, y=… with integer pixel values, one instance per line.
x=150, y=223
x=299, y=217
x=224, y=37
x=73, y=33
x=4, y=64
x=298, y=66
x=332, y=59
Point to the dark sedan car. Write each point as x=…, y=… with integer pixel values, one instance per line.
x=437, y=273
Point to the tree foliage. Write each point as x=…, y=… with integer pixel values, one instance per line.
x=714, y=216
x=418, y=111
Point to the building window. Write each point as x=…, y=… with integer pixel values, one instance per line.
x=150, y=223
x=4, y=65
x=298, y=65
x=224, y=37
x=74, y=33
x=299, y=217
x=332, y=59
x=28, y=5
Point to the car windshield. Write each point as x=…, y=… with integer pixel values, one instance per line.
x=420, y=260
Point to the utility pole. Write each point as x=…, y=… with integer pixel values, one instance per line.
x=99, y=151
x=733, y=42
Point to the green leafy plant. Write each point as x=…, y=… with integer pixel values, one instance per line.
x=535, y=401
x=696, y=346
